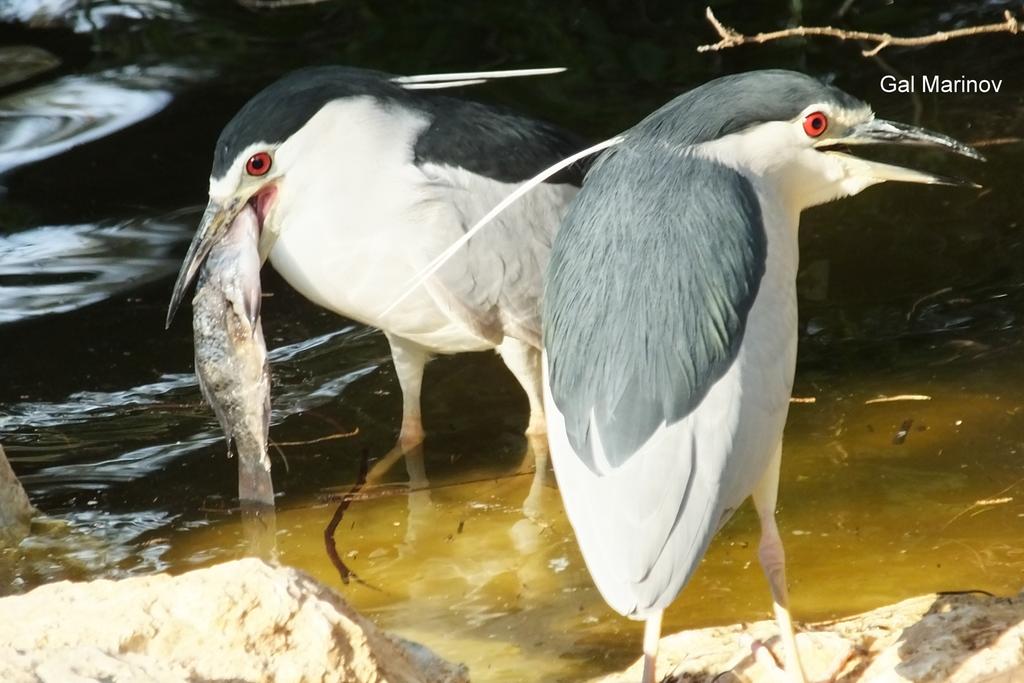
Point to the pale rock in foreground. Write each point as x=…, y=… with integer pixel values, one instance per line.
x=15, y=510
x=239, y=621
x=969, y=638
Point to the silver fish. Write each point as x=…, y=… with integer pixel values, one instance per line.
x=231, y=355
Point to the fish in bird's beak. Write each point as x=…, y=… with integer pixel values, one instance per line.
x=216, y=220
x=880, y=131
x=214, y=224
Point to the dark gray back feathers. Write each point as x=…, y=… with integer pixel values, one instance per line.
x=651, y=278
x=496, y=143
x=485, y=139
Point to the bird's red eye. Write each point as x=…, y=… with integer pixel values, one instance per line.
x=258, y=164
x=815, y=124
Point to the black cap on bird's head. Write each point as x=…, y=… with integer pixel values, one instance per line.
x=787, y=123
x=246, y=168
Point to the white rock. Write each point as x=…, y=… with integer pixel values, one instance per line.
x=238, y=621
x=970, y=638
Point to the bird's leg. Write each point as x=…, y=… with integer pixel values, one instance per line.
x=418, y=500
x=524, y=362
x=409, y=359
x=537, y=451
x=652, y=634
x=773, y=561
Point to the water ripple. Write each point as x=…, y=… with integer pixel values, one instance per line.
x=52, y=118
x=95, y=439
x=86, y=17
x=60, y=268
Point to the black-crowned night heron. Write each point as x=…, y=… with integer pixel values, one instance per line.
x=359, y=178
x=670, y=324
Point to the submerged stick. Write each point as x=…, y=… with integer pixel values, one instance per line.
x=733, y=38
x=898, y=397
x=321, y=439
x=330, y=545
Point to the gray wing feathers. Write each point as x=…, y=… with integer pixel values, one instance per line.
x=494, y=284
x=653, y=274
x=651, y=278
x=645, y=525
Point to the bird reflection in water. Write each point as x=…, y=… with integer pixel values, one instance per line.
x=259, y=529
x=416, y=490
x=426, y=518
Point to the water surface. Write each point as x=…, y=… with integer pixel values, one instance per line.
x=463, y=545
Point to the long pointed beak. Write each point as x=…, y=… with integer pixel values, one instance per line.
x=215, y=222
x=880, y=131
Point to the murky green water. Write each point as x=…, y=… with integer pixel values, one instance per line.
x=904, y=290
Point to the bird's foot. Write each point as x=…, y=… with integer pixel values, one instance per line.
x=823, y=655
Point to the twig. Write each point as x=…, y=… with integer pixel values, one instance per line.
x=330, y=545
x=994, y=501
x=732, y=38
x=979, y=503
x=926, y=297
x=994, y=142
x=900, y=397
x=329, y=437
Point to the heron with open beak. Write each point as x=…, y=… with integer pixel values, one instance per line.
x=670, y=324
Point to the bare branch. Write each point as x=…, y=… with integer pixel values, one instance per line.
x=732, y=38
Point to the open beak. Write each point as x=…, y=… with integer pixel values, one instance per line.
x=880, y=131
x=216, y=220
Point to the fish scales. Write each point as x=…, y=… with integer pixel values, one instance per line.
x=231, y=354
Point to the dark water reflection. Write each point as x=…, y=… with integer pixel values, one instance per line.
x=59, y=268
x=86, y=17
x=54, y=117
x=83, y=427
x=904, y=290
